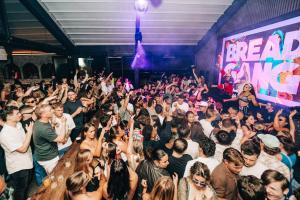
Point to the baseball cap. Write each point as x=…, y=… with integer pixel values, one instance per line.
x=203, y=103
x=269, y=140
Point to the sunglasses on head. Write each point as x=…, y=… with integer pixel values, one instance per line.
x=199, y=183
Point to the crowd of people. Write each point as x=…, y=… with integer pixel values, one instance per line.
x=172, y=139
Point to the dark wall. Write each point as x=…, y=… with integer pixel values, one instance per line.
x=252, y=13
x=160, y=58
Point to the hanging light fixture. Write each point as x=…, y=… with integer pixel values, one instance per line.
x=141, y=6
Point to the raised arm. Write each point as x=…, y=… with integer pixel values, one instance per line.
x=98, y=150
x=26, y=143
x=109, y=76
x=195, y=75
x=130, y=140
x=75, y=79
x=86, y=77
x=292, y=125
x=232, y=99
x=126, y=101
x=276, y=120
x=65, y=95
x=253, y=100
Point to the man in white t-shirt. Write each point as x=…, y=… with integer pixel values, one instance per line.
x=251, y=152
x=207, y=148
x=180, y=104
x=192, y=149
x=211, y=115
x=269, y=155
x=63, y=124
x=18, y=156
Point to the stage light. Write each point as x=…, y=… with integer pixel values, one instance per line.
x=140, y=60
x=141, y=5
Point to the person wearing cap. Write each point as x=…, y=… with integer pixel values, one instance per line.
x=268, y=157
x=180, y=104
x=202, y=108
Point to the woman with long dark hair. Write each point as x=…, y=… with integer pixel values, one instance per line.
x=122, y=182
x=152, y=168
x=89, y=139
x=246, y=97
x=116, y=135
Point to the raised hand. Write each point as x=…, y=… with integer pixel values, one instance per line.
x=279, y=112
x=29, y=127
x=293, y=113
x=175, y=179
x=144, y=184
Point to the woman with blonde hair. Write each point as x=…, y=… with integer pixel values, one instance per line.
x=197, y=185
x=135, y=150
x=76, y=188
x=84, y=163
x=165, y=188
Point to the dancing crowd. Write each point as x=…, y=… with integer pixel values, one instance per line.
x=175, y=138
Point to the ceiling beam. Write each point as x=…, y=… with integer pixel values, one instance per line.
x=186, y=2
x=38, y=11
x=19, y=43
x=231, y=10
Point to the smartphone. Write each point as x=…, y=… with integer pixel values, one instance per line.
x=127, y=132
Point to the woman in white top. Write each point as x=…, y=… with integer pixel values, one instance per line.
x=196, y=186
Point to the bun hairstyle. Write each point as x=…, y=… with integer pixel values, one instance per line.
x=154, y=154
x=225, y=138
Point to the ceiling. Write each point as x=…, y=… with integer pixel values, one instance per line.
x=112, y=22
x=22, y=24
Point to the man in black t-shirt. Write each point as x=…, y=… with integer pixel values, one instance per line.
x=178, y=160
x=268, y=113
x=74, y=107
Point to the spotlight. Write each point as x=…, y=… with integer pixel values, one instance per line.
x=140, y=60
x=141, y=5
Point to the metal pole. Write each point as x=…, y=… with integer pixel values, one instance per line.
x=137, y=31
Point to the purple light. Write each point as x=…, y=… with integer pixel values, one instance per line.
x=139, y=60
x=141, y=5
